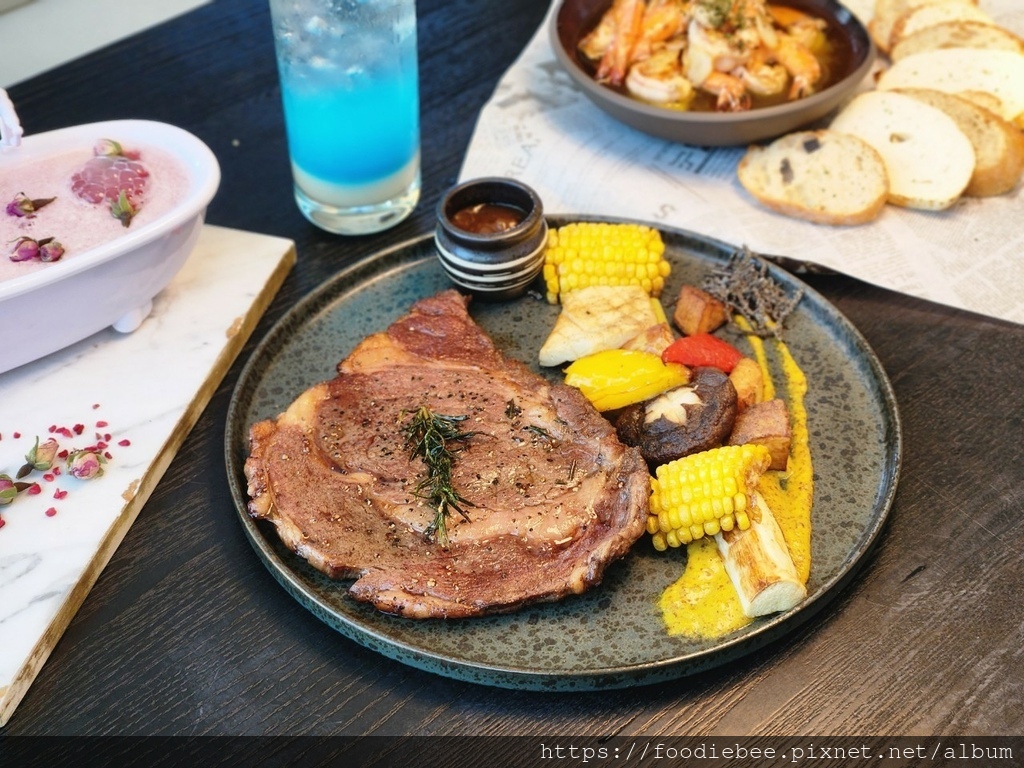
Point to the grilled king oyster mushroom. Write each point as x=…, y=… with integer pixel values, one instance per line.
x=682, y=421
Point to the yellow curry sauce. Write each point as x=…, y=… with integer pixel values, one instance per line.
x=790, y=494
x=702, y=603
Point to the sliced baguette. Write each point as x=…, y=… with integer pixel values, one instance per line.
x=887, y=13
x=986, y=100
x=998, y=145
x=957, y=34
x=954, y=70
x=821, y=176
x=924, y=16
x=928, y=159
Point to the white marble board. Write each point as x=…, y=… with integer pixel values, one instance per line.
x=140, y=394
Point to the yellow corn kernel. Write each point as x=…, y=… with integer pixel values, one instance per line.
x=602, y=253
x=705, y=493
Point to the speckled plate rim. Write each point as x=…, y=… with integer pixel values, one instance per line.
x=380, y=633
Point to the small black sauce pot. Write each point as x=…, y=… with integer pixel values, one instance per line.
x=499, y=265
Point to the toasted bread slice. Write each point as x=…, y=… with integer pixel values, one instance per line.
x=821, y=176
x=928, y=159
x=985, y=100
x=924, y=16
x=887, y=13
x=954, y=70
x=957, y=34
x=998, y=145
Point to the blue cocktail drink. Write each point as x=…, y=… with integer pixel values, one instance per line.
x=351, y=104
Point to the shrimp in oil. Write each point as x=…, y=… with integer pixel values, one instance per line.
x=664, y=50
x=659, y=79
x=730, y=92
x=761, y=75
x=801, y=64
x=626, y=18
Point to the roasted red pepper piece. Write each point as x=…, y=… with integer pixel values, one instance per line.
x=702, y=349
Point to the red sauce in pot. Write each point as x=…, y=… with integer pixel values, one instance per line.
x=487, y=218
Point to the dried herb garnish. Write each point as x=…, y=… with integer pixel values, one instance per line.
x=746, y=287
x=436, y=439
x=538, y=431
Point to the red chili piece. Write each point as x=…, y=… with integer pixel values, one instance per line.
x=702, y=349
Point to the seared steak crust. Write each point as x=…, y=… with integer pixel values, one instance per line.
x=556, y=497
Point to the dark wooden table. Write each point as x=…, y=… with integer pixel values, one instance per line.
x=186, y=633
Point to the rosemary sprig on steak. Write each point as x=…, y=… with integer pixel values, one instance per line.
x=436, y=439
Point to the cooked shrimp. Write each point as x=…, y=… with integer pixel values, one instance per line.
x=800, y=63
x=730, y=90
x=626, y=19
x=761, y=75
x=659, y=79
x=751, y=25
x=599, y=39
x=710, y=51
x=787, y=17
x=807, y=30
x=730, y=48
x=663, y=20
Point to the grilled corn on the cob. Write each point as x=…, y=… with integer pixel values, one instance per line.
x=704, y=494
x=602, y=253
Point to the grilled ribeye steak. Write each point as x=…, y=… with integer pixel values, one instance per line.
x=555, y=496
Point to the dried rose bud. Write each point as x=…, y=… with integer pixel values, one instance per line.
x=25, y=249
x=42, y=454
x=85, y=465
x=107, y=148
x=8, y=490
x=50, y=250
x=23, y=205
x=123, y=209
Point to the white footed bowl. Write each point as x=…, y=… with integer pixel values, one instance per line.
x=112, y=284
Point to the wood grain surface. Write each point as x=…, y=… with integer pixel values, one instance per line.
x=186, y=633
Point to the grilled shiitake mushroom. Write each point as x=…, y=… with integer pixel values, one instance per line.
x=681, y=421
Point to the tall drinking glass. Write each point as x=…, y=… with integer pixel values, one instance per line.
x=349, y=84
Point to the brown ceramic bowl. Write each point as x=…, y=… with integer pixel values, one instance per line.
x=574, y=18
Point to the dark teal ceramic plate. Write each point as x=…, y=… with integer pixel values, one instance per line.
x=612, y=636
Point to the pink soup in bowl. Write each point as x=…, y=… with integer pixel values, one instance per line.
x=96, y=265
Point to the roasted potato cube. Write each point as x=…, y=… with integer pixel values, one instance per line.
x=765, y=424
x=697, y=311
x=748, y=380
